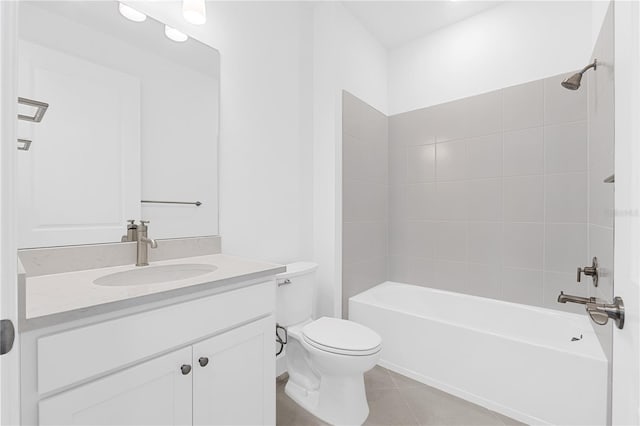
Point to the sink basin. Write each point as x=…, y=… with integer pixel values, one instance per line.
x=155, y=274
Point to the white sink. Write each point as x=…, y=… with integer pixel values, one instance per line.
x=155, y=274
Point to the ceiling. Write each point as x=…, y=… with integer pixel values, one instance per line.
x=394, y=23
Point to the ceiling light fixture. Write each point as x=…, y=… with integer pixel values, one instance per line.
x=194, y=11
x=131, y=14
x=174, y=34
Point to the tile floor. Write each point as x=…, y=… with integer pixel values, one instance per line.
x=396, y=400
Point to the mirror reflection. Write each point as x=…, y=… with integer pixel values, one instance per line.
x=130, y=130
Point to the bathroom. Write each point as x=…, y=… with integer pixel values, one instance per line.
x=393, y=196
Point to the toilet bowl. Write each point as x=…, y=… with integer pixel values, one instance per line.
x=326, y=358
x=326, y=361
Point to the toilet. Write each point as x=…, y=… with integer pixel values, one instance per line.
x=327, y=357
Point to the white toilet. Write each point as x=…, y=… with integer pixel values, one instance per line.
x=326, y=358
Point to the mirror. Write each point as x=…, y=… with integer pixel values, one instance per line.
x=133, y=116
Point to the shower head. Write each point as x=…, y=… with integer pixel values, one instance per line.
x=573, y=82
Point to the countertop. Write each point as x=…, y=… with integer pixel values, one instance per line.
x=51, y=299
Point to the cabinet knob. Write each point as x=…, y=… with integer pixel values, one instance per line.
x=186, y=369
x=203, y=361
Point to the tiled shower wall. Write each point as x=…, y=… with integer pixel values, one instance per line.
x=488, y=194
x=365, y=190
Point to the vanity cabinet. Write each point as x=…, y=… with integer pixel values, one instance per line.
x=233, y=377
x=224, y=380
x=206, y=361
x=152, y=393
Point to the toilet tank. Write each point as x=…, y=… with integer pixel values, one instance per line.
x=295, y=294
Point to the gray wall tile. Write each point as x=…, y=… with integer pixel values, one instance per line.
x=523, y=245
x=524, y=152
x=363, y=241
x=522, y=286
x=565, y=247
x=421, y=272
x=451, y=241
x=451, y=276
x=421, y=163
x=566, y=198
x=562, y=105
x=483, y=280
x=487, y=195
x=484, y=243
x=451, y=158
x=421, y=201
x=523, y=199
x=364, y=201
x=565, y=147
x=523, y=105
x=365, y=196
x=484, y=156
x=421, y=239
x=359, y=276
x=469, y=117
x=398, y=159
x=413, y=127
x=484, y=200
x=364, y=159
x=451, y=200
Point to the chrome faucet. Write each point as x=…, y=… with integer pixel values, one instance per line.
x=599, y=311
x=564, y=298
x=143, y=244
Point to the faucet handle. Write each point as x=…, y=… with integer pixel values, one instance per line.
x=591, y=271
x=144, y=222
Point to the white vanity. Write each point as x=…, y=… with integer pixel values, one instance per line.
x=196, y=350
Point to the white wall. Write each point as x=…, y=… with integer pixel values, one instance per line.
x=345, y=57
x=626, y=342
x=511, y=44
x=265, y=122
x=598, y=11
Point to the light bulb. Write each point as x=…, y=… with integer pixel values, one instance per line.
x=131, y=14
x=174, y=34
x=194, y=11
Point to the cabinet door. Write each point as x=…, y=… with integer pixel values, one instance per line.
x=236, y=384
x=153, y=393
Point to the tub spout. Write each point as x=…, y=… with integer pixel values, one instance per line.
x=564, y=298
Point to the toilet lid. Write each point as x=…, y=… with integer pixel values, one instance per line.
x=341, y=336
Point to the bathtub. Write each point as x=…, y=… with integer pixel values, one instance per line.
x=515, y=359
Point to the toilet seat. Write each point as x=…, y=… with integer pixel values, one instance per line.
x=341, y=337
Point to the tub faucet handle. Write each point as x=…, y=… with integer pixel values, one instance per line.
x=600, y=312
x=591, y=271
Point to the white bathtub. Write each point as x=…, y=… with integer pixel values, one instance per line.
x=515, y=359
